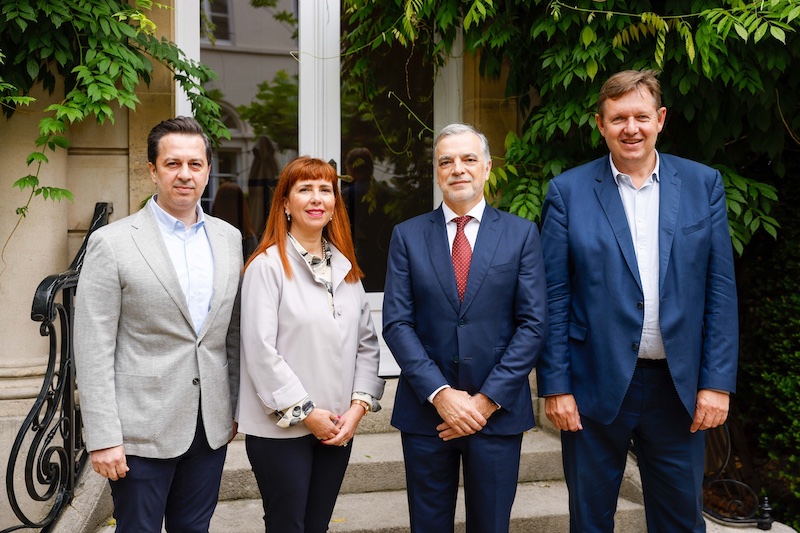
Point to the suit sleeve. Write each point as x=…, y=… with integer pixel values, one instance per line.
x=530, y=312
x=232, y=349
x=399, y=322
x=553, y=370
x=720, y=322
x=97, y=315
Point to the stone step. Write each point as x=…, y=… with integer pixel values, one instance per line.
x=540, y=506
x=376, y=464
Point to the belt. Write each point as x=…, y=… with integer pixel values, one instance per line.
x=651, y=363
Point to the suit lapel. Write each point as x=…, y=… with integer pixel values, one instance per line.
x=147, y=237
x=485, y=246
x=670, y=192
x=441, y=261
x=608, y=195
x=220, y=252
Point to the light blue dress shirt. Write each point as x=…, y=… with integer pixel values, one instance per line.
x=642, y=209
x=191, y=256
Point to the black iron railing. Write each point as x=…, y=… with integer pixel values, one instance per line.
x=50, y=440
x=727, y=498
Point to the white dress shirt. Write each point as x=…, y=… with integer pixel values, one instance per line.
x=470, y=232
x=642, y=209
x=191, y=256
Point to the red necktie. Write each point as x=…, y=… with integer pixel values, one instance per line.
x=462, y=255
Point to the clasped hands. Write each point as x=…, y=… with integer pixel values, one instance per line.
x=462, y=414
x=331, y=429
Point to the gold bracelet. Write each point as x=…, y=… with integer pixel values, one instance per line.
x=363, y=404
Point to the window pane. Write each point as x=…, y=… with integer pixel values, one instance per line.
x=387, y=150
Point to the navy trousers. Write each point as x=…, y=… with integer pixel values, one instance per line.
x=491, y=469
x=671, y=460
x=181, y=492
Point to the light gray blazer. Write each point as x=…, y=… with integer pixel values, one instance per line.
x=141, y=367
x=293, y=345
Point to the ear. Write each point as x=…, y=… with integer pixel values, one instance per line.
x=152, y=169
x=662, y=114
x=598, y=118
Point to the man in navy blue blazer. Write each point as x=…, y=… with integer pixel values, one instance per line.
x=463, y=395
x=643, y=340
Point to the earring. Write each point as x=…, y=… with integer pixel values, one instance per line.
x=288, y=217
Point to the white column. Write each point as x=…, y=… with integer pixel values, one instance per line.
x=319, y=110
x=187, y=37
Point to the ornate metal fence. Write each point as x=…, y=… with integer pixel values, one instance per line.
x=727, y=497
x=56, y=454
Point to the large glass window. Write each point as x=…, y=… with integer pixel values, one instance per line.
x=386, y=152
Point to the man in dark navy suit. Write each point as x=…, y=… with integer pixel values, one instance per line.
x=643, y=340
x=465, y=317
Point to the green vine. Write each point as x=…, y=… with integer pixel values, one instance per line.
x=104, y=51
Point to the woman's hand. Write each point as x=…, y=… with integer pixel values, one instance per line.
x=347, y=425
x=322, y=423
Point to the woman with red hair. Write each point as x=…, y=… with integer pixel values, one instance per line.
x=309, y=351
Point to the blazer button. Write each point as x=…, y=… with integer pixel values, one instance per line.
x=639, y=305
x=635, y=346
x=195, y=381
x=461, y=323
x=455, y=359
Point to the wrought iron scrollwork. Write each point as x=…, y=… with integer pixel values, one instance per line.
x=57, y=453
x=726, y=499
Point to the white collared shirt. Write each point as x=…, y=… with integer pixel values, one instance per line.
x=190, y=252
x=470, y=230
x=642, y=211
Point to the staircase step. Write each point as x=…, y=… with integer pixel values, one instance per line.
x=376, y=464
x=540, y=506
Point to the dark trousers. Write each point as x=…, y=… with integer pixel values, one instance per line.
x=181, y=492
x=491, y=468
x=299, y=480
x=671, y=460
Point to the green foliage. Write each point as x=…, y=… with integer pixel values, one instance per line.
x=273, y=111
x=103, y=50
x=769, y=361
x=730, y=79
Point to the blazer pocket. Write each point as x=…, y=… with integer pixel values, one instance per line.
x=577, y=332
x=697, y=226
x=505, y=267
x=140, y=403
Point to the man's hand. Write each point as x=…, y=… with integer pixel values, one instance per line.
x=562, y=411
x=110, y=462
x=482, y=403
x=711, y=409
x=460, y=414
x=234, y=432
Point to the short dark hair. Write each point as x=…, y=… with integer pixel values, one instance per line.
x=181, y=125
x=626, y=81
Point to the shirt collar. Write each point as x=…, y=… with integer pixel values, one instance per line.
x=616, y=173
x=169, y=223
x=476, y=212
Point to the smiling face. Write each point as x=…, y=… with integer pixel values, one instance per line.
x=630, y=125
x=461, y=170
x=180, y=174
x=311, y=204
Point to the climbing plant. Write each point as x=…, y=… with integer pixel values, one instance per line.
x=104, y=51
x=729, y=72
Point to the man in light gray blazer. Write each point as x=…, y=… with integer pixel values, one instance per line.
x=157, y=343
